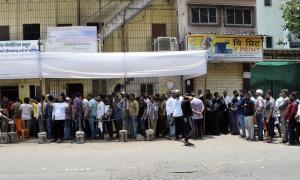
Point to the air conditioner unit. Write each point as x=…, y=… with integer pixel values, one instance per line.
x=165, y=44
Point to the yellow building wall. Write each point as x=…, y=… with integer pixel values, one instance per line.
x=49, y=13
x=220, y=77
x=138, y=31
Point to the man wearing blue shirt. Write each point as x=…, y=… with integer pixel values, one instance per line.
x=92, y=113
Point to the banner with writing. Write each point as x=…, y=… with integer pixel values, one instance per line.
x=227, y=46
x=18, y=47
x=72, y=39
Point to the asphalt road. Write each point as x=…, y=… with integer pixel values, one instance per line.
x=223, y=157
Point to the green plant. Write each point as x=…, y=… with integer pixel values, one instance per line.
x=291, y=16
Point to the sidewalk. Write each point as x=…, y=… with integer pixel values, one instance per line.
x=221, y=157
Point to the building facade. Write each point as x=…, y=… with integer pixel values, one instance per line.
x=123, y=26
x=218, y=17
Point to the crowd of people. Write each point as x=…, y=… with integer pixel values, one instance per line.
x=253, y=117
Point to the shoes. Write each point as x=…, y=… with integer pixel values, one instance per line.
x=270, y=140
x=53, y=140
x=243, y=136
x=60, y=141
x=261, y=139
x=187, y=143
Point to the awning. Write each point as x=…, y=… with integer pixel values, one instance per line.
x=274, y=63
x=102, y=65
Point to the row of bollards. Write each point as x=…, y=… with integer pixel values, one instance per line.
x=11, y=137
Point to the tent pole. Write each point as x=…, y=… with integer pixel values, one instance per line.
x=205, y=86
x=40, y=68
x=182, y=85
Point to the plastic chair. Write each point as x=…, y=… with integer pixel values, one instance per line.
x=21, y=130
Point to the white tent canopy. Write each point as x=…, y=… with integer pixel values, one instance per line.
x=102, y=65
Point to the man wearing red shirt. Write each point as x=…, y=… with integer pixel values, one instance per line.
x=290, y=114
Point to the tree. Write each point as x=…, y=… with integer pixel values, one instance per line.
x=291, y=16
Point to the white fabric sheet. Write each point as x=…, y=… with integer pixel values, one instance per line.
x=103, y=65
x=19, y=66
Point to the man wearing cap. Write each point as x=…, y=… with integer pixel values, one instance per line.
x=259, y=105
x=169, y=110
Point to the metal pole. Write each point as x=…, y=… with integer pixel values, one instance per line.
x=78, y=12
x=182, y=85
x=205, y=86
x=40, y=67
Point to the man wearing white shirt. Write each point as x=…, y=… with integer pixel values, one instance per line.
x=59, y=117
x=177, y=114
x=169, y=110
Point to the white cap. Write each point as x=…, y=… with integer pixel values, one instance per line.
x=259, y=91
x=68, y=99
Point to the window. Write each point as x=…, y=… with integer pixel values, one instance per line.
x=159, y=30
x=268, y=2
x=203, y=15
x=4, y=33
x=147, y=88
x=34, y=91
x=239, y=16
x=31, y=31
x=269, y=42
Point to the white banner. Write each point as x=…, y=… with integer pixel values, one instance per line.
x=80, y=39
x=18, y=47
x=103, y=65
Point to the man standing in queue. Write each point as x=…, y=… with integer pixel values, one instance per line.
x=188, y=121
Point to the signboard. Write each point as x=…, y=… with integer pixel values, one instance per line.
x=72, y=39
x=287, y=54
x=18, y=47
x=228, y=47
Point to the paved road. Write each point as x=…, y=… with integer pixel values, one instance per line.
x=223, y=157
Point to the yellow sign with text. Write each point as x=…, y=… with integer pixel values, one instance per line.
x=227, y=46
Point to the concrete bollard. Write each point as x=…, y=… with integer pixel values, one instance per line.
x=139, y=137
x=80, y=137
x=4, y=139
x=13, y=137
x=150, y=135
x=42, y=137
x=123, y=135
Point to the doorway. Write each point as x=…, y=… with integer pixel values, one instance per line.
x=74, y=88
x=9, y=92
